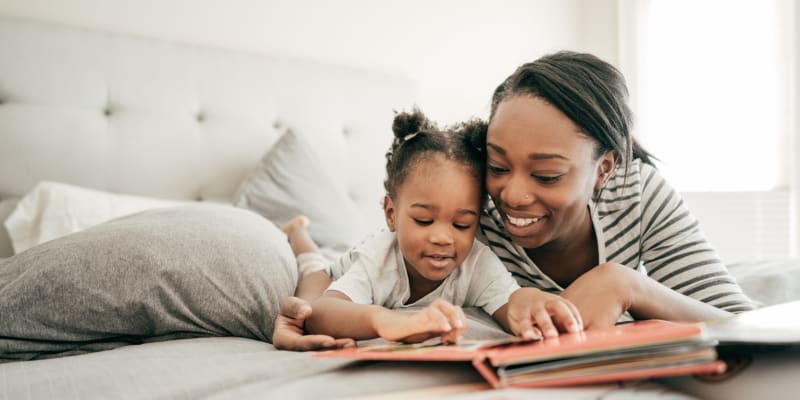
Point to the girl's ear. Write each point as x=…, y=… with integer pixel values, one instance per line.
x=388, y=212
x=605, y=167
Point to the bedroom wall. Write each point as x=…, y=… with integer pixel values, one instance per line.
x=457, y=50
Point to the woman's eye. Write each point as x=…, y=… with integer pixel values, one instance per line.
x=547, y=179
x=493, y=169
x=423, y=222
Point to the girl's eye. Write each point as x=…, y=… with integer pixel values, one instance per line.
x=495, y=170
x=544, y=179
x=423, y=222
x=462, y=227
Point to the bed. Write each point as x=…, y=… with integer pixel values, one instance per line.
x=98, y=127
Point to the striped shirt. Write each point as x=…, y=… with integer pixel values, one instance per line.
x=640, y=222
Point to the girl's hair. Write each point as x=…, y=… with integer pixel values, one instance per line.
x=589, y=91
x=416, y=139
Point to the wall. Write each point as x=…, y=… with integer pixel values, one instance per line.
x=457, y=50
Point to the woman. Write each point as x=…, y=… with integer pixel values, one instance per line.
x=577, y=209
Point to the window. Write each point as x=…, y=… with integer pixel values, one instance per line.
x=711, y=89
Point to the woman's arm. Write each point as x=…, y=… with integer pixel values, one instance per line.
x=608, y=290
x=335, y=315
x=676, y=255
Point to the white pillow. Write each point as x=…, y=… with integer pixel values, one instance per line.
x=51, y=210
x=291, y=180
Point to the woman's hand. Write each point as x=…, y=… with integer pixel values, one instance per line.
x=531, y=312
x=608, y=290
x=603, y=293
x=438, y=319
x=289, y=335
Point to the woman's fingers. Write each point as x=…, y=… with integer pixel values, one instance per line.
x=296, y=308
x=566, y=315
x=545, y=323
x=577, y=315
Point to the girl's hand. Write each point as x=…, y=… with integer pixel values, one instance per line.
x=438, y=319
x=531, y=309
x=603, y=293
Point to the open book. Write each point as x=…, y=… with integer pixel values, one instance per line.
x=638, y=350
x=635, y=350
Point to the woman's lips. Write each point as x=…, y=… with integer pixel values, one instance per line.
x=522, y=226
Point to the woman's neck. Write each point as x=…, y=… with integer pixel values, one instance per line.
x=567, y=259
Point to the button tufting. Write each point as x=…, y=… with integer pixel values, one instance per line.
x=346, y=131
x=277, y=124
x=107, y=111
x=353, y=195
x=200, y=117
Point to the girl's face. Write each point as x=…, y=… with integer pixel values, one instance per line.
x=435, y=215
x=541, y=172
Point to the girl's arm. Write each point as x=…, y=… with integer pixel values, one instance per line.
x=531, y=312
x=335, y=315
x=313, y=285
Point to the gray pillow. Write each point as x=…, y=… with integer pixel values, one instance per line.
x=291, y=180
x=198, y=270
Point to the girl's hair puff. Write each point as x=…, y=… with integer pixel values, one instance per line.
x=416, y=138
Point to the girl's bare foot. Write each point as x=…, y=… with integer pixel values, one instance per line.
x=298, y=223
x=296, y=231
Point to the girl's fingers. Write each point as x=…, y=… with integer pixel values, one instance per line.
x=454, y=314
x=459, y=327
x=434, y=320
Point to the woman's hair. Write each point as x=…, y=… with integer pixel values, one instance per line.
x=416, y=139
x=589, y=91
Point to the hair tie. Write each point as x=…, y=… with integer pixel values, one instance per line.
x=399, y=141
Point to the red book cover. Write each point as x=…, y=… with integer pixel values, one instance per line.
x=637, y=350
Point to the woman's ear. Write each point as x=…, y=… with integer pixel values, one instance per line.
x=605, y=167
x=388, y=212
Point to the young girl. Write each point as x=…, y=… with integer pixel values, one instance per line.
x=428, y=257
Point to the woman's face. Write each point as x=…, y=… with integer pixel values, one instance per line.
x=541, y=172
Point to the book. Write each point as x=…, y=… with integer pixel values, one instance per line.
x=774, y=325
x=637, y=350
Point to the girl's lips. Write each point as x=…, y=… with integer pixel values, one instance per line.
x=439, y=261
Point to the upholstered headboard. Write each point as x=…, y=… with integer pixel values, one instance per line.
x=137, y=116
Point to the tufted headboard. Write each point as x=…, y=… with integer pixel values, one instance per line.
x=149, y=118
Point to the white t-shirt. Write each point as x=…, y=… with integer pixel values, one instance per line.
x=374, y=272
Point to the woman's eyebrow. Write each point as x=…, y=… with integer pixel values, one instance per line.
x=546, y=156
x=495, y=148
x=532, y=156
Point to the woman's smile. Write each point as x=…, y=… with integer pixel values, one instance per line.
x=523, y=226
